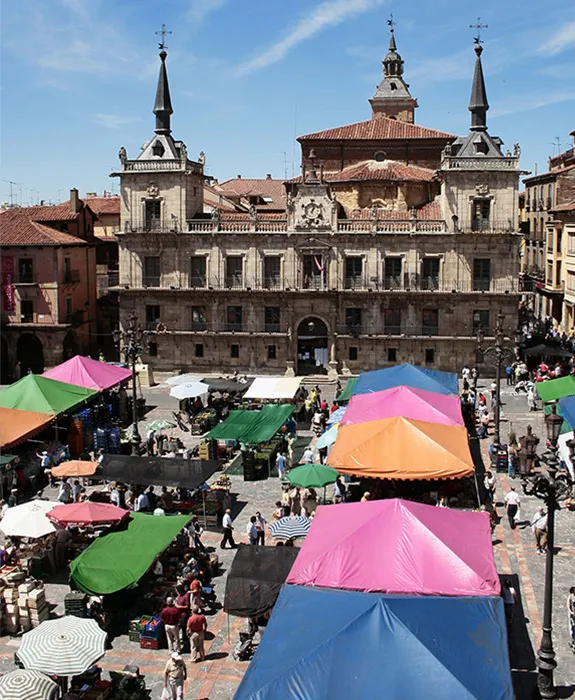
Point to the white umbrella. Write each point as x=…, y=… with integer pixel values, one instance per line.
x=183, y=379
x=66, y=646
x=23, y=684
x=28, y=519
x=189, y=391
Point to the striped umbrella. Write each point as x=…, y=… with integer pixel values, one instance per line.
x=290, y=528
x=66, y=646
x=23, y=684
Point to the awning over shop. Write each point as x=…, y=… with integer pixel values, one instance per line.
x=256, y=577
x=554, y=389
x=88, y=373
x=171, y=471
x=407, y=402
x=347, y=392
x=120, y=558
x=407, y=375
x=398, y=547
x=227, y=385
x=340, y=645
x=16, y=426
x=253, y=426
x=400, y=448
x=273, y=388
x=37, y=393
x=547, y=351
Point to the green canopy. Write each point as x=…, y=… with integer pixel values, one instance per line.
x=554, y=389
x=565, y=427
x=347, y=392
x=312, y=476
x=253, y=427
x=42, y=395
x=120, y=558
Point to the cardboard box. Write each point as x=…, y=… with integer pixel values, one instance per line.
x=26, y=587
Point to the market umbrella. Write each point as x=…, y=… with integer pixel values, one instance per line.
x=66, y=646
x=75, y=467
x=189, y=391
x=28, y=520
x=312, y=476
x=160, y=425
x=290, y=528
x=328, y=437
x=183, y=379
x=337, y=415
x=24, y=684
x=87, y=513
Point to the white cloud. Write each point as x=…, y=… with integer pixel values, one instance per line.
x=561, y=40
x=328, y=14
x=200, y=9
x=113, y=121
x=524, y=104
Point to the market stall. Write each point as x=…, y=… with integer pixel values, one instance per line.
x=406, y=375
x=273, y=388
x=17, y=425
x=42, y=395
x=88, y=373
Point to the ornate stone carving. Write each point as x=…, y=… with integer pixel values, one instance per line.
x=202, y=158
x=153, y=190
x=313, y=214
x=122, y=155
x=183, y=152
x=516, y=150
x=482, y=188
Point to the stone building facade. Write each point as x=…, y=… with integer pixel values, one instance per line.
x=395, y=245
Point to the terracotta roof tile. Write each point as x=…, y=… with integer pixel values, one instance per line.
x=382, y=170
x=378, y=129
x=567, y=206
x=56, y=212
x=264, y=187
x=18, y=228
x=103, y=205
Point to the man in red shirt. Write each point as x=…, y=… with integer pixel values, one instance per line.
x=196, y=591
x=197, y=626
x=170, y=616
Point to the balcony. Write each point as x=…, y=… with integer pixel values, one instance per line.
x=198, y=281
x=199, y=325
x=273, y=282
x=26, y=278
x=315, y=282
x=429, y=330
x=481, y=285
x=392, y=282
x=151, y=281
x=234, y=282
x=234, y=327
x=272, y=328
x=355, y=282
x=487, y=226
x=430, y=283
x=392, y=329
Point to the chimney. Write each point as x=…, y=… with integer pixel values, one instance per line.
x=268, y=176
x=74, y=201
x=239, y=177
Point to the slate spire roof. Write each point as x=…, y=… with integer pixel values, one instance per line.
x=478, y=104
x=163, y=104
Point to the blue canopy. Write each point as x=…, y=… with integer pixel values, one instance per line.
x=341, y=644
x=406, y=375
x=567, y=410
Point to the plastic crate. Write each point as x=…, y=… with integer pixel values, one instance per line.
x=134, y=636
x=148, y=643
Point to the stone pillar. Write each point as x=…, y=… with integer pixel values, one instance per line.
x=290, y=368
x=332, y=371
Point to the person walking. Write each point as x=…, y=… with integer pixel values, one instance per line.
x=512, y=458
x=531, y=400
x=65, y=492
x=539, y=527
x=308, y=457
x=489, y=483
x=571, y=616
x=509, y=596
x=512, y=501
x=281, y=465
x=252, y=531
x=170, y=616
x=175, y=675
x=260, y=528
x=228, y=527
x=183, y=604
x=197, y=628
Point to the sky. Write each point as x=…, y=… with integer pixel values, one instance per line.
x=249, y=76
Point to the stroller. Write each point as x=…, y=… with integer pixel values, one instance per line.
x=244, y=648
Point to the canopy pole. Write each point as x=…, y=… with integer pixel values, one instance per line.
x=228, y=627
x=204, y=508
x=476, y=487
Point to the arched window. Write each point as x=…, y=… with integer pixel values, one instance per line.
x=158, y=149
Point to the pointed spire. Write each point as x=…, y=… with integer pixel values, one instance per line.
x=392, y=46
x=163, y=105
x=478, y=104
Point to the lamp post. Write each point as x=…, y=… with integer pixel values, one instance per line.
x=501, y=352
x=543, y=486
x=132, y=341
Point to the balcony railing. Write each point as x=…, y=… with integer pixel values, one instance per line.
x=26, y=278
x=199, y=325
x=392, y=329
x=234, y=282
x=234, y=327
x=392, y=282
x=355, y=282
x=487, y=226
x=198, y=281
x=272, y=328
x=274, y=282
x=151, y=281
x=429, y=330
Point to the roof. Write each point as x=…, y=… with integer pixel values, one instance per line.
x=382, y=170
x=568, y=206
x=19, y=228
x=88, y=373
x=56, y=212
x=16, y=426
x=264, y=187
x=103, y=205
x=382, y=128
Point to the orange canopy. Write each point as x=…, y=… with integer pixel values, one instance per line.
x=401, y=448
x=16, y=425
x=75, y=467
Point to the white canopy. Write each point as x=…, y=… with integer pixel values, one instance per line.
x=28, y=519
x=189, y=391
x=183, y=379
x=273, y=388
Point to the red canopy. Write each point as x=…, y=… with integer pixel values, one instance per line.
x=86, y=513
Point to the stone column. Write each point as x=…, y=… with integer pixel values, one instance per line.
x=332, y=371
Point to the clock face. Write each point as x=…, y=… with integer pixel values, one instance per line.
x=312, y=210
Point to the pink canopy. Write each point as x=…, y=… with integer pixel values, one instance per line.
x=398, y=547
x=89, y=373
x=407, y=402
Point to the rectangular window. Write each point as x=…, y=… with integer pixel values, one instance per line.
x=272, y=319
x=234, y=350
x=354, y=272
x=392, y=321
x=68, y=309
x=272, y=272
x=198, y=271
x=571, y=243
x=481, y=274
x=199, y=350
x=392, y=354
x=152, y=316
x=480, y=214
x=353, y=320
x=25, y=270
x=152, y=271
x=392, y=273
x=429, y=356
x=481, y=320
x=272, y=352
x=26, y=311
x=234, y=272
x=430, y=273
x=353, y=353
x=571, y=281
x=199, y=318
x=549, y=274
x=430, y=322
x=67, y=270
x=153, y=214
x=235, y=318
x=314, y=272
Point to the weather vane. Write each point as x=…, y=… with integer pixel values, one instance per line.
x=479, y=27
x=390, y=21
x=163, y=32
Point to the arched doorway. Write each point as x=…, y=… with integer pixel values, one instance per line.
x=4, y=363
x=30, y=354
x=312, y=346
x=69, y=346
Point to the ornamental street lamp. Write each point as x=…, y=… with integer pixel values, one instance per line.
x=133, y=342
x=543, y=486
x=500, y=352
